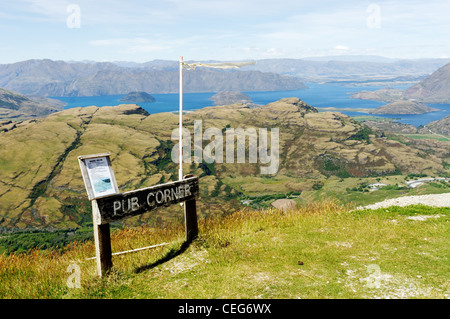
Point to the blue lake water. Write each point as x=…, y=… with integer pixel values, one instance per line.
x=317, y=95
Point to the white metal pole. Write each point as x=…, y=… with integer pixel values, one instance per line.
x=180, y=171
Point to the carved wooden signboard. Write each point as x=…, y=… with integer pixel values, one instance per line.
x=119, y=206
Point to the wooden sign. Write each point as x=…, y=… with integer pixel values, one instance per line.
x=109, y=205
x=132, y=203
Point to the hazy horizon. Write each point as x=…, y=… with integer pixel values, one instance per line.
x=343, y=58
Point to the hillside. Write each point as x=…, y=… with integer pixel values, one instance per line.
x=17, y=106
x=433, y=89
x=58, y=78
x=441, y=126
x=403, y=107
x=41, y=184
x=384, y=94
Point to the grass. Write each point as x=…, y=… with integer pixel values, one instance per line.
x=428, y=136
x=255, y=254
x=363, y=118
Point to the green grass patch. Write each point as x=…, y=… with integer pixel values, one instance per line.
x=428, y=137
x=363, y=118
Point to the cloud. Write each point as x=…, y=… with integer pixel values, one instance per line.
x=233, y=29
x=341, y=48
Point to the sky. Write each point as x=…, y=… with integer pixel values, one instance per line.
x=231, y=30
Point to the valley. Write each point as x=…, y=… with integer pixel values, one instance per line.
x=323, y=154
x=41, y=186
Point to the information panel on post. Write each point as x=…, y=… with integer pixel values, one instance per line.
x=109, y=205
x=98, y=175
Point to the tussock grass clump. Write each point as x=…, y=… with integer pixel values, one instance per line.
x=218, y=231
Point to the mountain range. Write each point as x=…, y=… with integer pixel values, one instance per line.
x=58, y=78
x=350, y=70
x=329, y=68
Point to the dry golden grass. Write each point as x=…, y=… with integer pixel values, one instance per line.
x=254, y=254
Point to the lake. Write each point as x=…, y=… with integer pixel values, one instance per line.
x=317, y=95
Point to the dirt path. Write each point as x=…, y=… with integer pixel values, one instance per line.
x=437, y=200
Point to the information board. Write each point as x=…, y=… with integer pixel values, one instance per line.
x=97, y=175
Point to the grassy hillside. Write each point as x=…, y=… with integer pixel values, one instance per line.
x=15, y=106
x=41, y=184
x=403, y=107
x=317, y=251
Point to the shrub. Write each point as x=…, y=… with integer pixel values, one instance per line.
x=362, y=134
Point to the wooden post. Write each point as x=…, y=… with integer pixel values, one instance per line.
x=102, y=240
x=190, y=217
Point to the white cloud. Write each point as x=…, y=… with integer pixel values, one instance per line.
x=341, y=48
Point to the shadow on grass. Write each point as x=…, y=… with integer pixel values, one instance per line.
x=172, y=253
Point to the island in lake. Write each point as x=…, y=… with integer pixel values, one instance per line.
x=138, y=97
x=230, y=97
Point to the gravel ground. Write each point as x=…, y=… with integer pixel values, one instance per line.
x=437, y=200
